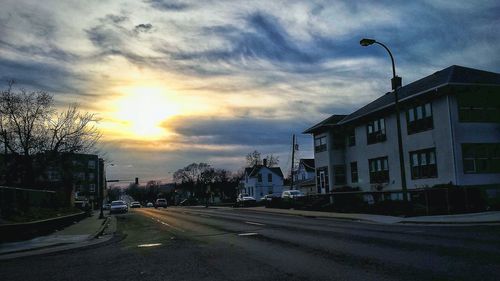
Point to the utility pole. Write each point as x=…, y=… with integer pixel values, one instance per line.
x=293, y=159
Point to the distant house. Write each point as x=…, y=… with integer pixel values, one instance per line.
x=304, y=177
x=261, y=180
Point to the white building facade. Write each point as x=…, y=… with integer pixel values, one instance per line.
x=260, y=180
x=450, y=126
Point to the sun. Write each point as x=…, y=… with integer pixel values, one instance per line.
x=143, y=109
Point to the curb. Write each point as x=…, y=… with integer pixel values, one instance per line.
x=365, y=220
x=451, y=222
x=101, y=229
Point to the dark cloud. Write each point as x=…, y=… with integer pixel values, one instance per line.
x=265, y=39
x=235, y=131
x=42, y=76
x=143, y=27
x=167, y=5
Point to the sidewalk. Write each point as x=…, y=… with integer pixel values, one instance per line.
x=80, y=234
x=472, y=218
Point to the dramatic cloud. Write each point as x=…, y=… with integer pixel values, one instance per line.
x=177, y=82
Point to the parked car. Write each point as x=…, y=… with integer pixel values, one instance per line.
x=189, y=202
x=269, y=197
x=135, y=204
x=292, y=194
x=244, y=200
x=149, y=205
x=161, y=203
x=118, y=206
x=106, y=206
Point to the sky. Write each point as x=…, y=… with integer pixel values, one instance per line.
x=177, y=82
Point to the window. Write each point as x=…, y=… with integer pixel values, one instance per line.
x=320, y=144
x=269, y=177
x=481, y=158
x=351, y=137
x=376, y=131
x=91, y=164
x=91, y=176
x=339, y=174
x=478, y=107
x=354, y=172
x=423, y=164
x=419, y=119
x=259, y=177
x=379, y=170
x=322, y=179
x=92, y=187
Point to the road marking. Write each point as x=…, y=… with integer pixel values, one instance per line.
x=248, y=234
x=169, y=225
x=149, y=245
x=254, y=223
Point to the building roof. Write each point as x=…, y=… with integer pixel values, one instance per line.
x=453, y=75
x=308, y=164
x=328, y=122
x=253, y=171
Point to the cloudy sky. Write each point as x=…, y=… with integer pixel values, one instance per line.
x=176, y=82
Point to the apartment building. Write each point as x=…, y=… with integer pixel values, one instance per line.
x=450, y=126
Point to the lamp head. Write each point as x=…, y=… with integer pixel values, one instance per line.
x=366, y=42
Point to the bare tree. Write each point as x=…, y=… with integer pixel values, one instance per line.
x=255, y=158
x=73, y=131
x=272, y=161
x=24, y=116
x=30, y=124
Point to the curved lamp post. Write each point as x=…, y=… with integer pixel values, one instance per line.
x=395, y=83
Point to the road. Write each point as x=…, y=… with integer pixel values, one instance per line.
x=238, y=244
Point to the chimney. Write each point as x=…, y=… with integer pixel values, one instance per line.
x=264, y=162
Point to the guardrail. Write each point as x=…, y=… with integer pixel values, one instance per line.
x=28, y=230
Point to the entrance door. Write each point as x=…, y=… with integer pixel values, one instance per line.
x=322, y=183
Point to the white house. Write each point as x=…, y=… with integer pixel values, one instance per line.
x=450, y=126
x=304, y=177
x=260, y=180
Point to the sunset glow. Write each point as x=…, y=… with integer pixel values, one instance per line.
x=210, y=81
x=143, y=109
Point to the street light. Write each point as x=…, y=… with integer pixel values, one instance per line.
x=395, y=83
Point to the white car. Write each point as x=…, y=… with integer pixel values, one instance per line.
x=149, y=205
x=135, y=204
x=118, y=206
x=292, y=194
x=245, y=200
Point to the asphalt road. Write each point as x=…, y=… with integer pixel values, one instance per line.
x=238, y=244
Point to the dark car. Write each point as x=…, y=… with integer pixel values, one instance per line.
x=161, y=203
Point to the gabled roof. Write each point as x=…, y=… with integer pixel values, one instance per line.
x=328, y=122
x=253, y=171
x=308, y=164
x=453, y=75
